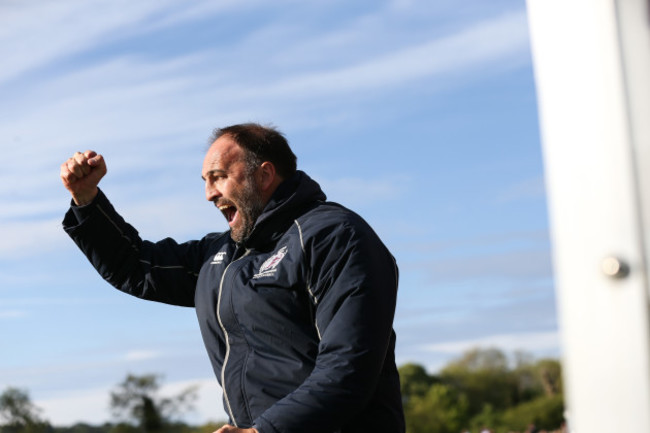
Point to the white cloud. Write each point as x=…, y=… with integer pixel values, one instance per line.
x=141, y=355
x=20, y=238
x=535, y=342
x=489, y=41
x=209, y=405
x=104, y=94
x=36, y=33
x=102, y=104
x=72, y=406
x=354, y=191
x=513, y=264
x=525, y=189
x=18, y=209
x=12, y=314
x=68, y=407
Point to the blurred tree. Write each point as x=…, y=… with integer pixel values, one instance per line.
x=19, y=414
x=526, y=375
x=487, y=418
x=414, y=381
x=550, y=375
x=136, y=399
x=479, y=359
x=440, y=410
x=537, y=378
x=484, y=377
x=546, y=413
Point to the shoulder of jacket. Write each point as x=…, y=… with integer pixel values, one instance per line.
x=217, y=236
x=216, y=239
x=331, y=217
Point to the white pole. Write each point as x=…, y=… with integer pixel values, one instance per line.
x=592, y=66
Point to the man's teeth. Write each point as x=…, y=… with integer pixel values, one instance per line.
x=228, y=211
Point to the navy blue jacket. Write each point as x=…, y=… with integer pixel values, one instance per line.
x=302, y=338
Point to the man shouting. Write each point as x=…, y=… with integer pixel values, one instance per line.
x=295, y=302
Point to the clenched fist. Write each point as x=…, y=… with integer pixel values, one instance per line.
x=81, y=174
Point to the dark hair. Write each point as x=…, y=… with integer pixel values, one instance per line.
x=261, y=143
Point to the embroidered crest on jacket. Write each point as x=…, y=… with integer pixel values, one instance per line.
x=218, y=258
x=269, y=266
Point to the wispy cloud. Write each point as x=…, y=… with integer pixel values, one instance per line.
x=535, y=342
x=486, y=42
x=12, y=314
x=532, y=188
x=76, y=405
x=101, y=103
x=149, y=85
x=521, y=264
x=354, y=191
x=141, y=355
x=37, y=33
x=35, y=238
x=92, y=404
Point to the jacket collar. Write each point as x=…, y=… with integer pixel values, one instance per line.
x=291, y=199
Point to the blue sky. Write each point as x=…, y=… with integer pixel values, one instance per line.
x=419, y=115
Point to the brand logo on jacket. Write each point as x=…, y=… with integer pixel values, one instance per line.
x=269, y=267
x=218, y=258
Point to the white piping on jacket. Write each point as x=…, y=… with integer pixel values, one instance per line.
x=311, y=294
x=225, y=334
x=119, y=230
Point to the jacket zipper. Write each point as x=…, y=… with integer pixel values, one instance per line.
x=227, y=338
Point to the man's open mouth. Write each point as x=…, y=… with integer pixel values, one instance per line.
x=229, y=211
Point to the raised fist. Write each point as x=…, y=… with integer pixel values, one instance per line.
x=81, y=174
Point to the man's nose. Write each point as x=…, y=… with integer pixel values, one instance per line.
x=211, y=192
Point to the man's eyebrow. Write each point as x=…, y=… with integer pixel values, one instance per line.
x=213, y=172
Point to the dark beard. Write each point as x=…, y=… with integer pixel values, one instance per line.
x=250, y=206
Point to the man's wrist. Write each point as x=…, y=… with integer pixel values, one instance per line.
x=84, y=199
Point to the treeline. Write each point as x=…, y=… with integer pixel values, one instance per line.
x=484, y=391
x=135, y=405
x=481, y=391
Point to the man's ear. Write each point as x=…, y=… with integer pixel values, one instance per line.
x=268, y=177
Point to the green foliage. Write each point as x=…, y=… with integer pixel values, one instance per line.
x=414, y=381
x=481, y=389
x=549, y=372
x=440, y=410
x=476, y=360
x=484, y=377
x=488, y=417
x=545, y=412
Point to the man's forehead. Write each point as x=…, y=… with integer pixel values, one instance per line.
x=222, y=153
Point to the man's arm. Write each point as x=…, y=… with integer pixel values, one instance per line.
x=164, y=271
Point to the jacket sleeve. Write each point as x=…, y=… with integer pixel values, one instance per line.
x=164, y=271
x=354, y=283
